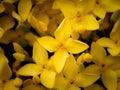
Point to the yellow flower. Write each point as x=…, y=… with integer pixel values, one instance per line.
x=42, y=66
x=5, y=71
x=78, y=13
x=108, y=65
x=104, y=6
x=112, y=43
x=74, y=76
x=62, y=45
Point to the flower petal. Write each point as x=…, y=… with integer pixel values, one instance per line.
x=34, y=87
x=99, y=11
x=110, y=5
x=10, y=85
x=89, y=22
x=18, y=48
x=88, y=77
x=75, y=46
x=40, y=55
x=48, y=43
x=106, y=42
x=59, y=59
x=63, y=32
x=29, y=70
x=47, y=78
x=61, y=83
x=114, y=35
x=68, y=8
x=19, y=56
x=5, y=71
x=1, y=32
x=71, y=67
x=98, y=53
x=74, y=88
x=109, y=79
x=94, y=87
x=24, y=7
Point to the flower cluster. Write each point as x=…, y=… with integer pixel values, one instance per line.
x=60, y=45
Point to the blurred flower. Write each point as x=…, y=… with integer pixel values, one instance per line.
x=78, y=13
x=112, y=43
x=104, y=6
x=42, y=66
x=108, y=65
x=74, y=76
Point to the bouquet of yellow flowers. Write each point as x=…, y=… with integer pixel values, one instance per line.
x=59, y=44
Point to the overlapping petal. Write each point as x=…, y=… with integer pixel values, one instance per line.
x=98, y=53
x=75, y=46
x=40, y=55
x=34, y=87
x=63, y=32
x=71, y=67
x=109, y=79
x=5, y=71
x=94, y=87
x=110, y=5
x=59, y=59
x=48, y=78
x=24, y=7
x=29, y=70
x=48, y=43
x=88, y=77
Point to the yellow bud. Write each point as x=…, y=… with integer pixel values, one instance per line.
x=87, y=57
x=18, y=82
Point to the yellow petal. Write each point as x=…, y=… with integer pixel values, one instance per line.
x=74, y=88
x=68, y=8
x=75, y=46
x=85, y=6
x=63, y=32
x=99, y=11
x=47, y=78
x=89, y=22
x=40, y=55
x=2, y=8
x=24, y=7
x=6, y=22
x=48, y=43
x=71, y=67
x=98, y=53
x=110, y=5
x=11, y=1
x=5, y=71
x=114, y=51
x=61, y=83
x=29, y=70
x=88, y=77
x=19, y=56
x=94, y=87
x=18, y=48
x=106, y=42
x=1, y=32
x=10, y=85
x=34, y=87
x=59, y=59
x=114, y=35
x=109, y=79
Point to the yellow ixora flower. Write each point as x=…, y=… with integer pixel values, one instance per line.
x=62, y=45
x=74, y=75
x=112, y=43
x=108, y=65
x=103, y=6
x=42, y=66
x=78, y=14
